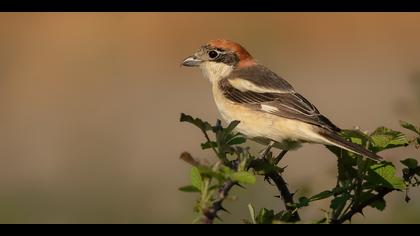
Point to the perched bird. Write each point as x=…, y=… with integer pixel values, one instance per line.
x=269, y=109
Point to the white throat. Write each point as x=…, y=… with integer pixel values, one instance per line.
x=215, y=71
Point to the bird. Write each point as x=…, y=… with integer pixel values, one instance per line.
x=269, y=110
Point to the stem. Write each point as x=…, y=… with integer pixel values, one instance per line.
x=359, y=208
x=208, y=140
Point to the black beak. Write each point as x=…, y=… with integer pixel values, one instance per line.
x=191, y=61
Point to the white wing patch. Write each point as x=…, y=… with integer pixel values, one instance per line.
x=269, y=108
x=246, y=85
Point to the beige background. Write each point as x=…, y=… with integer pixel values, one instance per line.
x=89, y=106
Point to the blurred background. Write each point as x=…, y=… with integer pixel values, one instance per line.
x=90, y=105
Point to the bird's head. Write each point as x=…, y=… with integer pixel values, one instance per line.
x=219, y=57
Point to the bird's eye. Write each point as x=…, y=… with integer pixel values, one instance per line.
x=213, y=54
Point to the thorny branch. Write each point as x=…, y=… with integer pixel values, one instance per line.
x=281, y=185
x=286, y=195
x=211, y=213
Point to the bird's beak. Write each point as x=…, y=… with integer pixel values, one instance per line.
x=191, y=61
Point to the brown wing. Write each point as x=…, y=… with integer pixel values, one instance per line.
x=287, y=103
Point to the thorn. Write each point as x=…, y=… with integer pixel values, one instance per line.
x=240, y=185
x=277, y=196
x=268, y=180
x=218, y=217
x=361, y=212
x=224, y=209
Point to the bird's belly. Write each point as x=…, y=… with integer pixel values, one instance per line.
x=262, y=126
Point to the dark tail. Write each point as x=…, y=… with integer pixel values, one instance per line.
x=339, y=141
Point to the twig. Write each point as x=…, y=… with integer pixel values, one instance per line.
x=359, y=208
x=211, y=213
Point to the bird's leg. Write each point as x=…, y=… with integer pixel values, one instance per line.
x=266, y=150
x=280, y=156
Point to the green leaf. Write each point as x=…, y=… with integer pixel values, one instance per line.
x=302, y=202
x=355, y=136
x=283, y=216
x=244, y=177
x=384, y=138
x=208, y=145
x=410, y=163
x=339, y=202
x=384, y=174
x=265, y=216
x=262, y=165
x=367, y=196
x=196, y=179
x=226, y=170
x=231, y=126
x=379, y=204
x=204, y=126
x=209, y=172
x=346, y=165
x=189, y=188
x=237, y=141
x=252, y=213
x=321, y=195
x=409, y=126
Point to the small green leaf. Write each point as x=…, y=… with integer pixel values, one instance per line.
x=252, y=213
x=410, y=163
x=283, y=216
x=226, y=170
x=379, y=204
x=302, y=202
x=243, y=177
x=231, y=126
x=384, y=174
x=409, y=126
x=355, y=136
x=339, y=202
x=321, y=195
x=262, y=165
x=208, y=145
x=237, y=141
x=189, y=188
x=384, y=138
x=196, y=179
x=204, y=126
x=265, y=216
x=209, y=172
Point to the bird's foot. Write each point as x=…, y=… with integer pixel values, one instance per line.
x=264, y=153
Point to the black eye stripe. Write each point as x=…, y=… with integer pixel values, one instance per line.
x=227, y=58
